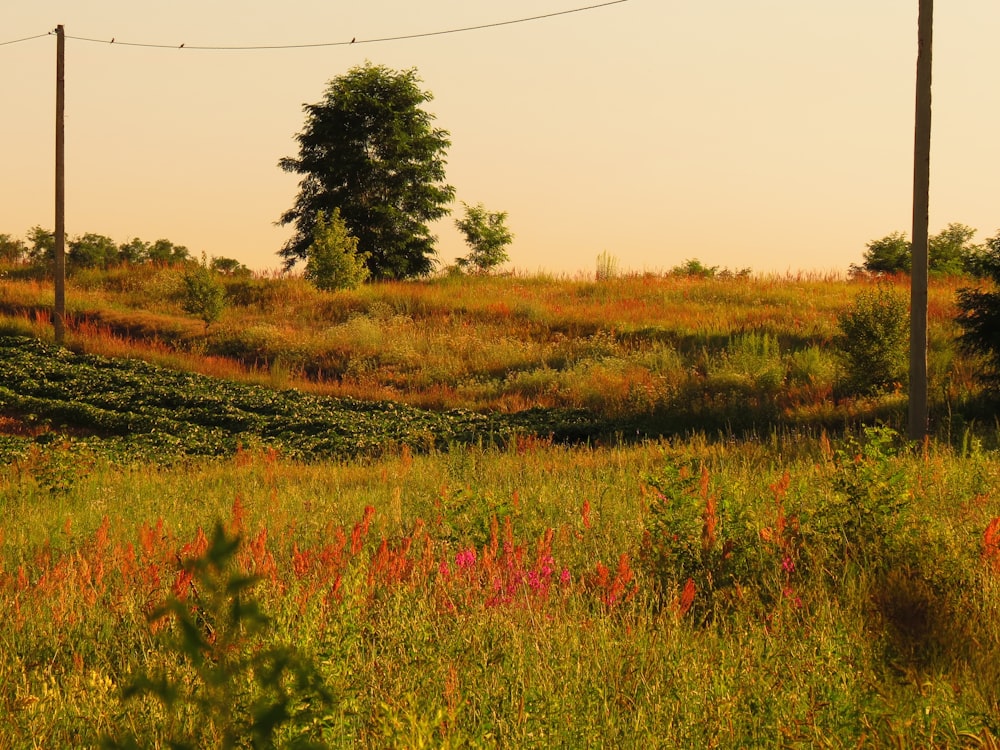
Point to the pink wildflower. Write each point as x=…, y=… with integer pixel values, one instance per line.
x=466, y=558
x=565, y=577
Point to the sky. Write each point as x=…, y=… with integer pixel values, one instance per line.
x=774, y=135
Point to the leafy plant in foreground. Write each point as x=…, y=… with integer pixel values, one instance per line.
x=228, y=689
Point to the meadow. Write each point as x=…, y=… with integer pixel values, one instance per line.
x=640, y=511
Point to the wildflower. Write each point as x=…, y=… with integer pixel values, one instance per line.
x=443, y=570
x=466, y=558
x=787, y=564
x=564, y=577
x=546, y=566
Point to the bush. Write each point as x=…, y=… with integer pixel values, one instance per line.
x=873, y=340
x=204, y=295
x=979, y=311
x=332, y=260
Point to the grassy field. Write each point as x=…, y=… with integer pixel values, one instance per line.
x=643, y=512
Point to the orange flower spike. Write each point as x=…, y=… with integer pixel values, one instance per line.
x=991, y=544
x=585, y=514
x=239, y=517
x=683, y=604
x=711, y=522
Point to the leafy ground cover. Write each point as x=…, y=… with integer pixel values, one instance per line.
x=156, y=412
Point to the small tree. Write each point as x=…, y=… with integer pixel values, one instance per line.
x=41, y=245
x=12, y=250
x=487, y=235
x=873, y=340
x=332, y=260
x=204, y=294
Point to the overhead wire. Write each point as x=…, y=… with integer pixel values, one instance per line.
x=353, y=41
x=25, y=39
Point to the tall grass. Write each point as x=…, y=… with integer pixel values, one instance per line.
x=676, y=347
x=842, y=593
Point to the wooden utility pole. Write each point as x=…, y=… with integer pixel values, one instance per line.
x=59, y=314
x=921, y=202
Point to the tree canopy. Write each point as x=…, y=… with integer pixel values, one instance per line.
x=950, y=252
x=370, y=149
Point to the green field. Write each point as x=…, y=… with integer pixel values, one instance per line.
x=488, y=512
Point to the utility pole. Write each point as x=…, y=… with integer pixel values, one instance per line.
x=59, y=314
x=921, y=201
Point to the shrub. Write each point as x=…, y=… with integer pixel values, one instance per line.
x=332, y=260
x=873, y=341
x=979, y=311
x=204, y=295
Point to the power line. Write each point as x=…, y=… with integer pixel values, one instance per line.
x=25, y=39
x=354, y=41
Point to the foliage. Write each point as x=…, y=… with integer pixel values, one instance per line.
x=204, y=294
x=370, y=149
x=487, y=235
x=873, y=340
x=228, y=267
x=981, y=260
x=694, y=267
x=332, y=260
x=979, y=311
x=889, y=254
x=41, y=245
x=949, y=252
x=134, y=251
x=12, y=249
x=222, y=685
x=92, y=251
x=161, y=413
x=165, y=251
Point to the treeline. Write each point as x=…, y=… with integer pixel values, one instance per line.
x=99, y=251
x=950, y=252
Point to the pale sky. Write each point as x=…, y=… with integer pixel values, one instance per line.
x=775, y=135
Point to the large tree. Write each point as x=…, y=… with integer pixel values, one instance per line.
x=370, y=150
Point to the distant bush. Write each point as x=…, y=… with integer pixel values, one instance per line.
x=204, y=295
x=873, y=340
x=696, y=269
